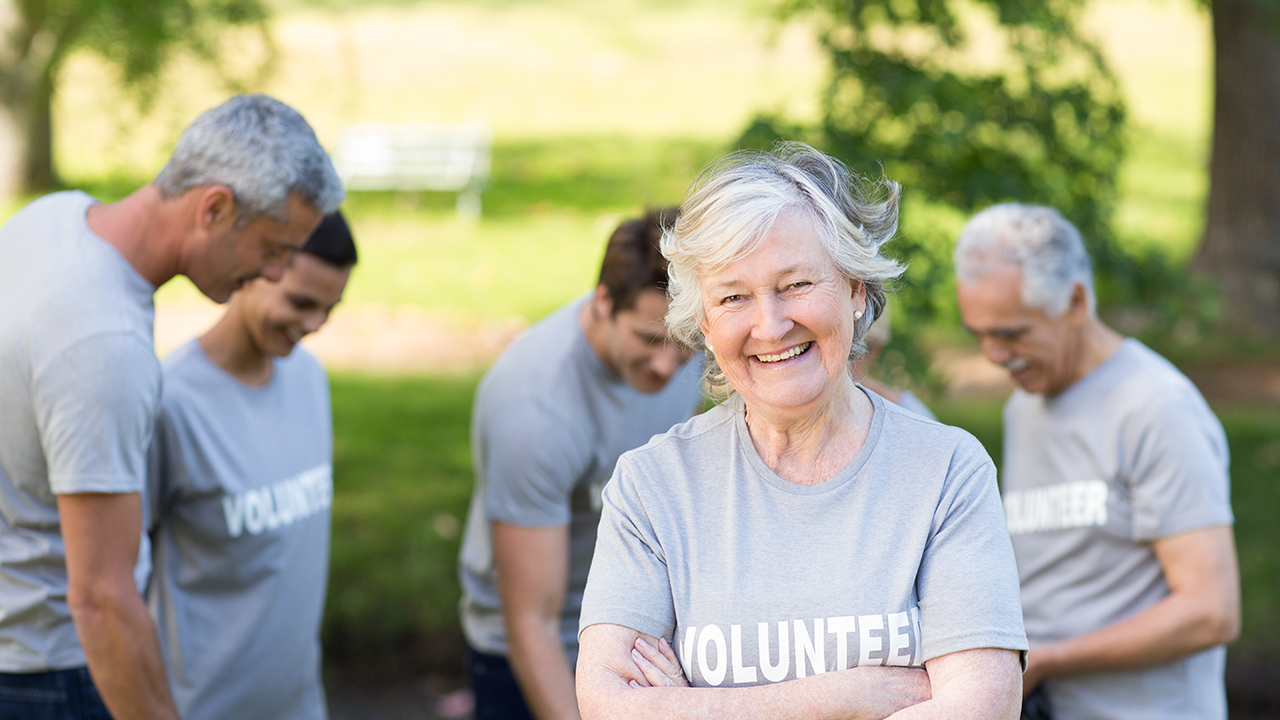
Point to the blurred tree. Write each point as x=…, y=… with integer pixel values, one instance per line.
x=1241, y=244
x=968, y=104
x=36, y=36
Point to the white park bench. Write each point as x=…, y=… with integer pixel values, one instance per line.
x=453, y=158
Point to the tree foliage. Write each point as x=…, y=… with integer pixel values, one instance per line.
x=968, y=104
x=138, y=36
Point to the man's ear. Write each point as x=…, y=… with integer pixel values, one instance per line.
x=602, y=304
x=216, y=209
x=1079, y=304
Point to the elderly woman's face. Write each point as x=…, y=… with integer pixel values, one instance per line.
x=780, y=321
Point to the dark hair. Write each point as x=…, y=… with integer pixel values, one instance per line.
x=332, y=242
x=633, y=260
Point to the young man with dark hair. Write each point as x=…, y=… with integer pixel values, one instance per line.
x=79, y=385
x=239, y=493
x=594, y=379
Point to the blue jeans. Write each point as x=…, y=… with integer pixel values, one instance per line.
x=53, y=695
x=498, y=695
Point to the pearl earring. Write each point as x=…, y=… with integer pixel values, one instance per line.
x=857, y=314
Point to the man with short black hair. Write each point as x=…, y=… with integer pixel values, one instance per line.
x=594, y=379
x=1115, y=486
x=239, y=492
x=80, y=383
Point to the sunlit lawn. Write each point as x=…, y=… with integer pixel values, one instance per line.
x=403, y=477
x=599, y=109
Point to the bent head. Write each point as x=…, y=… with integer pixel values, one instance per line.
x=630, y=305
x=776, y=268
x=1025, y=291
x=279, y=313
x=258, y=182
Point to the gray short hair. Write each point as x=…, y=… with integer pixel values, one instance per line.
x=1037, y=240
x=260, y=148
x=736, y=201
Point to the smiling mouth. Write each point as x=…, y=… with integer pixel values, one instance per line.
x=785, y=355
x=1016, y=366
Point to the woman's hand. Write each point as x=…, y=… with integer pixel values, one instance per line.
x=658, y=665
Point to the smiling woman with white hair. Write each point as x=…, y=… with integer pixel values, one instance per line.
x=811, y=550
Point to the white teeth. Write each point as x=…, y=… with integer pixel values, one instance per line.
x=784, y=355
x=1017, y=365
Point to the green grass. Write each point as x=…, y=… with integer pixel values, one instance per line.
x=403, y=477
x=402, y=480
x=598, y=110
x=548, y=211
x=1253, y=434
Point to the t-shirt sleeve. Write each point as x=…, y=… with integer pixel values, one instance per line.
x=1179, y=476
x=160, y=469
x=95, y=406
x=628, y=584
x=532, y=461
x=968, y=581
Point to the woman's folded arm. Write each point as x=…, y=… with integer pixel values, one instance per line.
x=982, y=684
x=611, y=684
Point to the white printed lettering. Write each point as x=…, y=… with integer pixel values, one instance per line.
x=899, y=640
x=255, y=517
x=740, y=674
x=686, y=648
x=812, y=649
x=268, y=502
x=841, y=627
x=1056, y=507
x=771, y=672
x=233, y=511
x=712, y=634
x=918, y=654
x=868, y=644
x=284, y=502
x=281, y=504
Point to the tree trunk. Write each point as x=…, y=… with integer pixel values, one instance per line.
x=26, y=137
x=1241, y=244
x=29, y=52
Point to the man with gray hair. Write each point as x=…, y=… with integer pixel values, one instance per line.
x=80, y=384
x=1115, y=486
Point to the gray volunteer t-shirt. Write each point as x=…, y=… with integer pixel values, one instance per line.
x=1129, y=454
x=79, y=384
x=900, y=558
x=547, y=427
x=239, y=496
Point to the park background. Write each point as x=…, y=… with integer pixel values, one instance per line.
x=599, y=110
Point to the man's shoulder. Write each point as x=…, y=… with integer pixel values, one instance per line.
x=65, y=283
x=1145, y=384
x=546, y=361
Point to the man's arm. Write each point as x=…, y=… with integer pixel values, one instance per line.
x=533, y=573
x=1201, y=610
x=612, y=685
x=101, y=534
